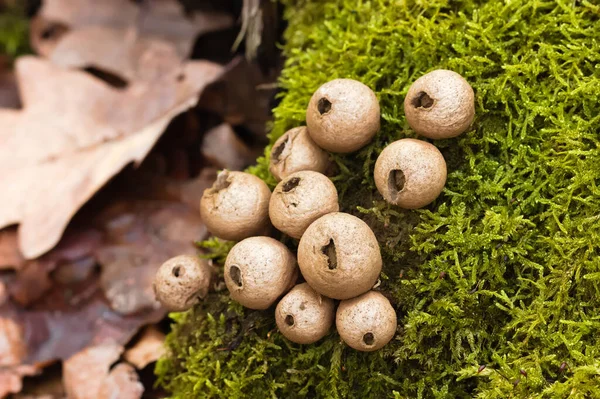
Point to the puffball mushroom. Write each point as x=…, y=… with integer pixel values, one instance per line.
x=296, y=151
x=410, y=173
x=182, y=281
x=440, y=105
x=236, y=206
x=367, y=322
x=339, y=256
x=343, y=115
x=299, y=200
x=303, y=316
x=258, y=270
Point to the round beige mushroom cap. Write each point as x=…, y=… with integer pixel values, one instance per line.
x=258, y=270
x=296, y=151
x=343, y=115
x=182, y=281
x=339, y=256
x=236, y=206
x=299, y=200
x=303, y=316
x=440, y=105
x=366, y=323
x=410, y=173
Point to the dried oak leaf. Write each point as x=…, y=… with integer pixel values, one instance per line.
x=94, y=29
x=224, y=149
x=12, y=352
x=141, y=236
x=74, y=133
x=122, y=382
x=85, y=372
x=148, y=348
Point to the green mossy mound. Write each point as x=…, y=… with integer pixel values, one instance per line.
x=502, y=271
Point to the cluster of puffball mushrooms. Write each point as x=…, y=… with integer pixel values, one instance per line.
x=338, y=254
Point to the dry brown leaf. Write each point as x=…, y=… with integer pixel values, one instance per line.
x=163, y=20
x=12, y=352
x=148, y=349
x=142, y=235
x=10, y=256
x=85, y=372
x=122, y=382
x=100, y=130
x=223, y=148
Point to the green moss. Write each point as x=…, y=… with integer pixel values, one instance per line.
x=502, y=271
x=14, y=30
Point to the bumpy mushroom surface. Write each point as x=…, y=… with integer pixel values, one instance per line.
x=299, y=200
x=343, y=115
x=258, y=270
x=182, y=281
x=410, y=173
x=296, y=151
x=303, y=316
x=339, y=256
x=236, y=206
x=366, y=323
x=440, y=105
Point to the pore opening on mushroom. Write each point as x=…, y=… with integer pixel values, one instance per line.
x=396, y=182
x=277, y=151
x=177, y=271
x=369, y=339
x=236, y=275
x=221, y=183
x=329, y=251
x=323, y=106
x=422, y=100
x=291, y=184
x=289, y=320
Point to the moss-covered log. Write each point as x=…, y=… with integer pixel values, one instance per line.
x=497, y=283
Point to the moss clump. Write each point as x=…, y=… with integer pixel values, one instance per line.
x=497, y=283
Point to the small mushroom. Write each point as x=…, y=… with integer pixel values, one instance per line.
x=258, y=270
x=343, y=115
x=299, y=200
x=236, y=206
x=367, y=322
x=182, y=281
x=339, y=256
x=440, y=105
x=296, y=151
x=410, y=173
x=303, y=316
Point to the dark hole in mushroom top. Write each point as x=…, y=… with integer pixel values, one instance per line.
x=177, y=271
x=291, y=184
x=329, y=251
x=277, y=151
x=396, y=182
x=369, y=339
x=53, y=30
x=180, y=77
x=422, y=100
x=236, y=275
x=289, y=320
x=323, y=106
x=221, y=183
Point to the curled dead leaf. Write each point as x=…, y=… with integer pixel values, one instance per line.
x=122, y=382
x=84, y=373
x=101, y=129
x=148, y=349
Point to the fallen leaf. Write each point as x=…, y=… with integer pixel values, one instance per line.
x=143, y=235
x=12, y=352
x=10, y=256
x=148, y=348
x=122, y=382
x=101, y=129
x=224, y=149
x=85, y=372
x=75, y=249
x=155, y=20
